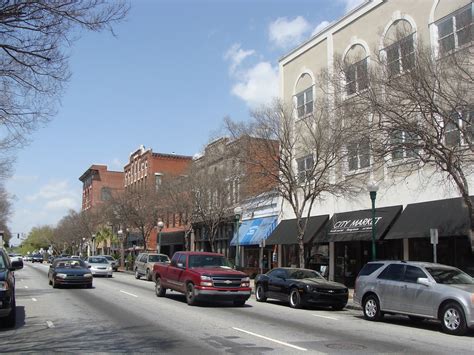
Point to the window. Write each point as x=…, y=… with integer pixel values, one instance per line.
x=305, y=165
x=393, y=272
x=158, y=180
x=455, y=30
x=403, y=145
x=105, y=194
x=358, y=155
x=401, y=55
x=459, y=128
x=278, y=273
x=412, y=273
x=368, y=269
x=356, y=77
x=304, y=102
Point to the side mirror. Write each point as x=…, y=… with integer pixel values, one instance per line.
x=423, y=281
x=17, y=265
x=181, y=265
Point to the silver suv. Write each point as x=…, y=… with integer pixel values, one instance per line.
x=145, y=261
x=419, y=290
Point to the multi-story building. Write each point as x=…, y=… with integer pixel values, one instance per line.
x=147, y=169
x=230, y=182
x=99, y=184
x=409, y=206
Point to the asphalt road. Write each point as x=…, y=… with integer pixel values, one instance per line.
x=122, y=314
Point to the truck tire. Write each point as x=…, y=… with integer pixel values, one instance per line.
x=190, y=297
x=159, y=289
x=137, y=274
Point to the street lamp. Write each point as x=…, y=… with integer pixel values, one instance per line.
x=93, y=244
x=159, y=226
x=122, y=253
x=237, y=215
x=372, y=187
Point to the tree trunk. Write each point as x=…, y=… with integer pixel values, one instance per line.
x=301, y=251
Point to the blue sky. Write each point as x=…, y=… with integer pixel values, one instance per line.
x=174, y=71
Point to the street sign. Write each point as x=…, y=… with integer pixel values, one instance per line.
x=434, y=236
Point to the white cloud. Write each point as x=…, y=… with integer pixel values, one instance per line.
x=236, y=55
x=351, y=4
x=64, y=204
x=52, y=190
x=24, y=178
x=258, y=85
x=319, y=27
x=285, y=33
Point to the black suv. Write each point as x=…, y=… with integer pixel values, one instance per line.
x=7, y=289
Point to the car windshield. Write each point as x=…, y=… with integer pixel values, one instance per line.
x=109, y=258
x=158, y=258
x=208, y=261
x=73, y=264
x=2, y=262
x=100, y=260
x=450, y=276
x=304, y=274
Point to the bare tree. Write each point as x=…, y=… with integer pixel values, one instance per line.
x=302, y=159
x=424, y=113
x=74, y=228
x=34, y=35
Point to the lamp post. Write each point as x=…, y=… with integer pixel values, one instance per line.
x=372, y=187
x=237, y=214
x=122, y=256
x=93, y=244
x=159, y=226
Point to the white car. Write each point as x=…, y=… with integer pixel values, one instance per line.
x=99, y=266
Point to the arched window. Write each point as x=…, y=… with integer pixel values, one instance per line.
x=356, y=69
x=304, y=95
x=400, y=47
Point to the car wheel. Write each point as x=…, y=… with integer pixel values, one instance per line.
x=10, y=320
x=89, y=285
x=453, y=320
x=148, y=274
x=371, y=308
x=54, y=284
x=49, y=282
x=137, y=274
x=190, y=296
x=239, y=303
x=295, y=298
x=260, y=293
x=159, y=289
x=338, y=307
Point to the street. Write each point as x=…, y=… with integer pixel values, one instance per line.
x=123, y=314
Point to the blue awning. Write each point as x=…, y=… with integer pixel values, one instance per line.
x=252, y=231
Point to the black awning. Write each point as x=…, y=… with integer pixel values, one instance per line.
x=287, y=231
x=357, y=225
x=172, y=238
x=449, y=216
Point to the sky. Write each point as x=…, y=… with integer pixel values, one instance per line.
x=171, y=73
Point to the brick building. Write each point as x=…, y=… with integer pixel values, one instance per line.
x=99, y=184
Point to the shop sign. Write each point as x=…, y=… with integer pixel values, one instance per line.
x=354, y=225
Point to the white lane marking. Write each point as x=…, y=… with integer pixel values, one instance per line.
x=270, y=339
x=26, y=286
x=49, y=324
x=317, y=315
x=34, y=299
x=127, y=293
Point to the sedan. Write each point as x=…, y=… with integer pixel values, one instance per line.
x=66, y=271
x=300, y=287
x=99, y=266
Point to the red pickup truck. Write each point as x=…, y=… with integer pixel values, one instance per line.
x=202, y=276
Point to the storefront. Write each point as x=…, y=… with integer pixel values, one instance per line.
x=285, y=245
x=450, y=217
x=251, y=240
x=171, y=242
x=349, y=235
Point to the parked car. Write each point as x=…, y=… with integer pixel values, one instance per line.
x=114, y=262
x=419, y=290
x=16, y=257
x=99, y=266
x=7, y=289
x=202, y=276
x=144, y=264
x=67, y=271
x=300, y=287
x=37, y=258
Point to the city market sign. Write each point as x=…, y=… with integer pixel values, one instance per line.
x=353, y=225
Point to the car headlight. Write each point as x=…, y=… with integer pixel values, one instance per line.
x=61, y=276
x=245, y=282
x=4, y=286
x=88, y=275
x=309, y=288
x=206, y=280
